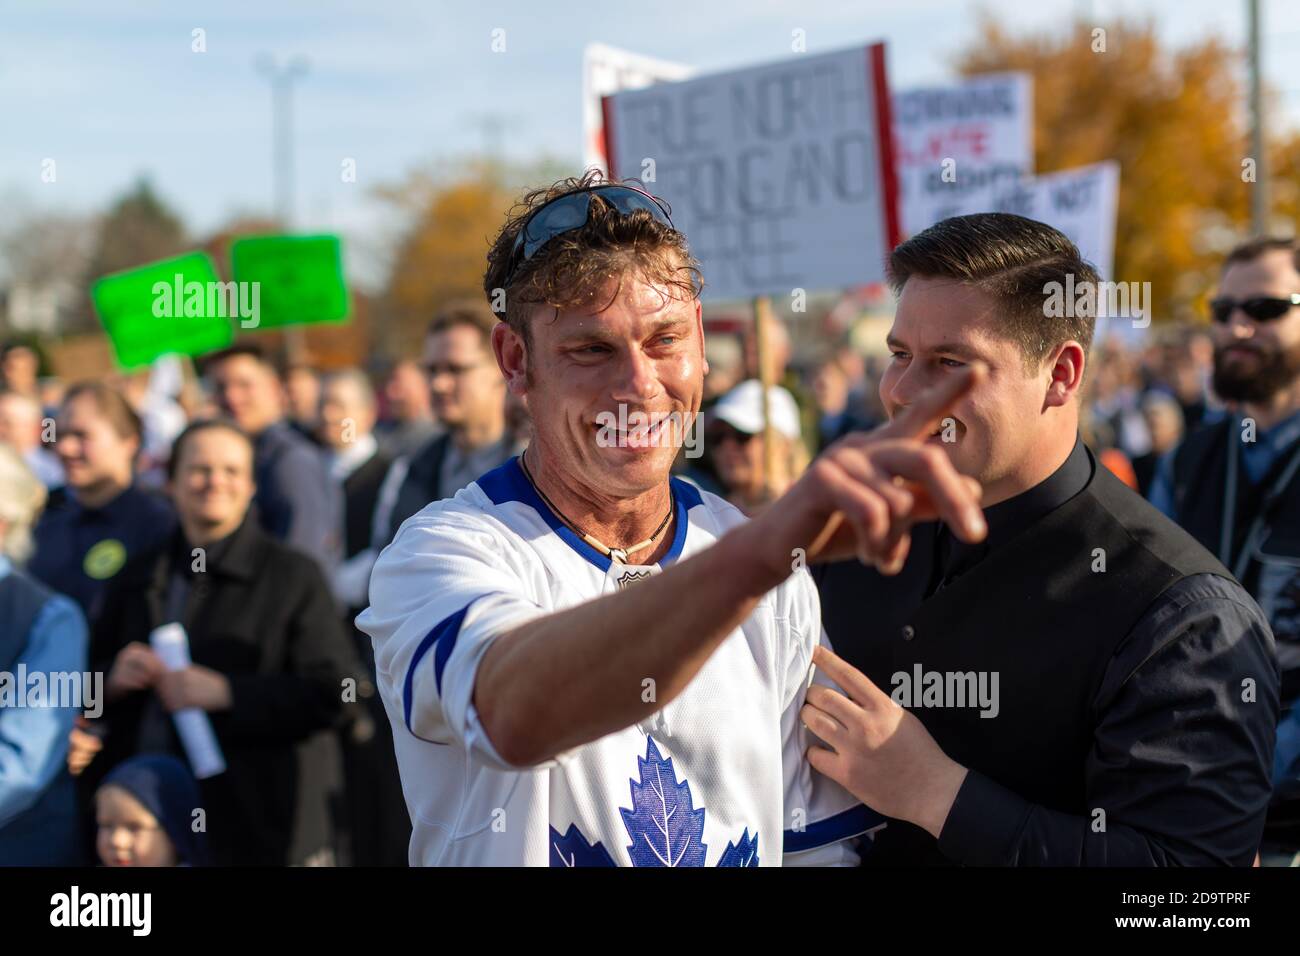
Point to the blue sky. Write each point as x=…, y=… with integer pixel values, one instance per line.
x=110, y=90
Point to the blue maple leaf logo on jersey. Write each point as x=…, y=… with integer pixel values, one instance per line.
x=663, y=824
x=665, y=828
x=744, y=853
x=572, y=849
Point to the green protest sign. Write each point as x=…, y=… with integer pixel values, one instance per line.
x=176, y=305
x=300, y=278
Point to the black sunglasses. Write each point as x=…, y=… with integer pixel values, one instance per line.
x=719, y=434
x=1261, y=308
x=568, y=212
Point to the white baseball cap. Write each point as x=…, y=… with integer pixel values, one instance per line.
x=742, y=409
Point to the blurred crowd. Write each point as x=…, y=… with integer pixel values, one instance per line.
x=247, y=501
x=1142, y=395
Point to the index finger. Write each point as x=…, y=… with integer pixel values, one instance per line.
x=920, y=418
x=855, y=684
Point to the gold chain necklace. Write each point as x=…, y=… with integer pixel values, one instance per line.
x=614, y=554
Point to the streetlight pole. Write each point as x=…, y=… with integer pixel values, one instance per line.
x=1259, y=208
x=282, y=79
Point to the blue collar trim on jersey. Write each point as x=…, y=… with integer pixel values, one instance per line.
x=509, y=483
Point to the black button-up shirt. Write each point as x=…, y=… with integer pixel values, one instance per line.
x=1008, y=518
x=1170, y=748
x=1190, y=650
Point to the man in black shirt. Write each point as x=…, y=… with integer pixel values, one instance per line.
x=1085, y=686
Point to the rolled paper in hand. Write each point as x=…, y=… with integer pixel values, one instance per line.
x=172, y=645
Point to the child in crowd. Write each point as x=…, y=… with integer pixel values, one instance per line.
x=145, y=813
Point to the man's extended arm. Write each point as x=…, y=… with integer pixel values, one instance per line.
x=559, y=681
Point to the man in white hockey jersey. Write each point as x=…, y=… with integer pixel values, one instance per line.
x=589, y=662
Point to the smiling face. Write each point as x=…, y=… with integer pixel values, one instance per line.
x=1253, y=360
x=213, y=483
x=1001, y=429
x=585, y=374
x=91, y=450
x=248, y=391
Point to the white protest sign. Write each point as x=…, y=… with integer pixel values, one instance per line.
x=606, y=70
x=780, y=175
x=952, y=141
x=1081, y=202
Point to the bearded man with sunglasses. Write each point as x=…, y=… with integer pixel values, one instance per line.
x=589, y=662
x=1235, y=485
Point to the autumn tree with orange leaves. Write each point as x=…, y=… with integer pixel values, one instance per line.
x=453, y=217
x=1176, y=121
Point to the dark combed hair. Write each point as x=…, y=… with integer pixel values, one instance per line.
x=1252, y=249
x=252, y=350
x=1012, y=259
x=198, y=427
x=571, y=270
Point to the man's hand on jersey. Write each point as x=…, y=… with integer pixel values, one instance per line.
x=863, y=494
x=880, y=753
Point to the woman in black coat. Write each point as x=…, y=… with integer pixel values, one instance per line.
x=272, y=665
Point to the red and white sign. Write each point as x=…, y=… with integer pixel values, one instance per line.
x=781, y=176
x=606, y=70
x=956, y=141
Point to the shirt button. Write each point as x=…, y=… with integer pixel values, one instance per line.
x=909, y=632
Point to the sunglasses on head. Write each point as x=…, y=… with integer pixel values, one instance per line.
x=1260, y=308
x=569, y=212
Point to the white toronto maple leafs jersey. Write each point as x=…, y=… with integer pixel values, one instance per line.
x=718, y=777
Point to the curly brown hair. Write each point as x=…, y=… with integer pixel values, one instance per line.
x=573, y=268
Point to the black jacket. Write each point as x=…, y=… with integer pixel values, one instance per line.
x=360, y=495
x=422, y=483
x=1134, y=688
x=1256, y=533
x=379, y=822
x=262, y=614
